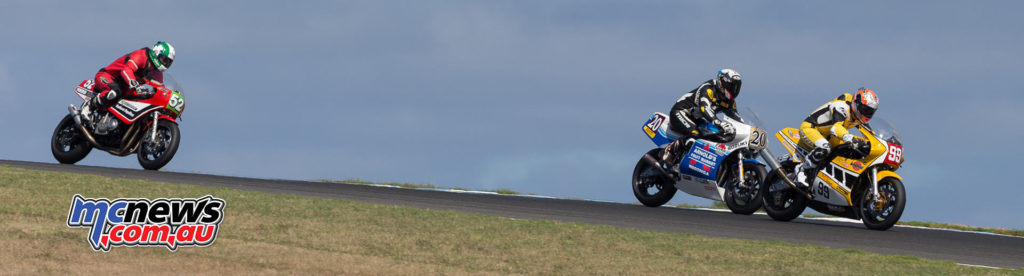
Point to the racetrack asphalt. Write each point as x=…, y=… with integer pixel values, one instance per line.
x=969, y=248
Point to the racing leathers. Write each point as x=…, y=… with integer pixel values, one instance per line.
x=693, y=109
x=824, y=130
x=123, y=76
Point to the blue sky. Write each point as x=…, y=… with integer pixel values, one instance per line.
x=541, y=97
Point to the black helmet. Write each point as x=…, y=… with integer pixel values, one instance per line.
x=729, y=82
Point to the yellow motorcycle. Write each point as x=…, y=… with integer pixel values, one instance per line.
x=867, y=188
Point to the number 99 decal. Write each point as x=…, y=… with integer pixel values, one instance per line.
x=894, y=155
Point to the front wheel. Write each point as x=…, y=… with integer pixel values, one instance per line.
x=883, y=213
x=68, y=144
x=781, y=202
x=155, y=153
x=652, y=188
x=746, y=199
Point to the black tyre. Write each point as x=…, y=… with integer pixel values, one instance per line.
x=650, y=186
x=745, y=200
x=154, y=154
x=884, y=213
x=68, y=143
x=781, y=202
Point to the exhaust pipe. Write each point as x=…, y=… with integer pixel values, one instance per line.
x=777, y=169
x=132, y=136
x=78, y=122
x=74, y=114
x=656, y=164
x=782, y=174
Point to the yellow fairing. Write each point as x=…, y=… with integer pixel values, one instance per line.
x=789, y=137
x=884, y=174
x=859, y=165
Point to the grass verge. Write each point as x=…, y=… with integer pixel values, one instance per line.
x=270, y=233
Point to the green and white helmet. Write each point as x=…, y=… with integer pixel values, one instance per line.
x=161, y=55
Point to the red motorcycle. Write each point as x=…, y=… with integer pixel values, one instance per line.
x=147, y=127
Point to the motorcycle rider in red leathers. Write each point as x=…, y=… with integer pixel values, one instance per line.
x=127, y=74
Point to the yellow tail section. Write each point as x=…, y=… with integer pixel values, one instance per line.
x=790, y=138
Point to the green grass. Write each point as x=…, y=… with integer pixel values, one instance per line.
x=286, y=234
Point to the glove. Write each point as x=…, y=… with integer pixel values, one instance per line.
x=140, y=89
x=848, y=138
x=727, y=129
x=726, y=132
x=862, y=147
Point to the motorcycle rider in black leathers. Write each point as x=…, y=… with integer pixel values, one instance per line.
x=698, y=107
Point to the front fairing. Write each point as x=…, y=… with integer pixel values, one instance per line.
x=886, y=148
x=891, y=151
x=169, y=94
x=167, y=99
x=170, y=83
x=885, y=131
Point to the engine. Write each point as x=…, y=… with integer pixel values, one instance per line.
x=105, y=125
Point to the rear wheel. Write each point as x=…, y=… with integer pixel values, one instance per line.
x=650, y=187
x=746, y=199
x=68, y=144
x=155, y=153
x=782, y=202
x=883, y=213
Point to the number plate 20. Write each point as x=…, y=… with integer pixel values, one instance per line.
x=758, y=138
x=653, y=125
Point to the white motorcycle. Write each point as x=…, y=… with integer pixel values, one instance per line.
x=719, y=171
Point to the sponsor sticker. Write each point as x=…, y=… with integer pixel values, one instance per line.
x=702, y=160
x=857, y=165
x=140, y=222
x=794, y=134
x=650, y=133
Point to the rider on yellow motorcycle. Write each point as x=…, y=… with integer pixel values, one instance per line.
x=827, y=127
